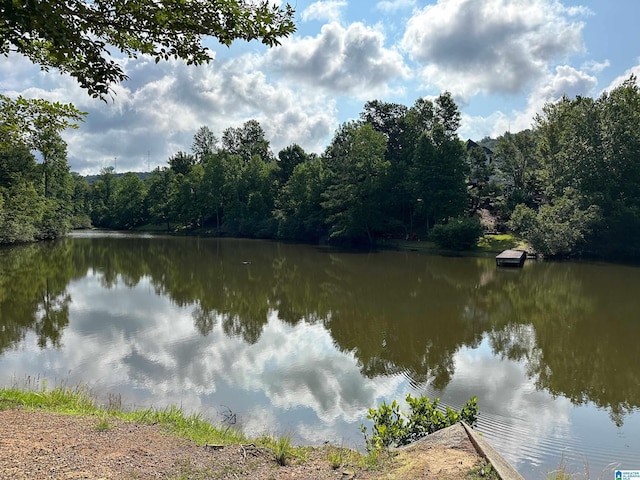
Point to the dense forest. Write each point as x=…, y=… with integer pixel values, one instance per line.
x=570, y=185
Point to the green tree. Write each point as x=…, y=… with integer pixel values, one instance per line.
x=390, y=119
x=481, y=171
x=212, y=186
x=591, y=147
x=22, y=213
x=182, y=162
x=80, y=202
x=257, y=193
x=557, y=228
x=23, y=120
x=103, y=198
x=436, y=161
x=438, y=174
x=186, y=206
x=16, y=163
x=354, y=196
x=204, y=144
x=37, y=196
x=77, y=36
x=298, y=207
x=288, y=158
x=247, y=141
x=159, y=190
x=130, y=201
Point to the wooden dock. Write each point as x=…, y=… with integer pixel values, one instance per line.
x=511, y=258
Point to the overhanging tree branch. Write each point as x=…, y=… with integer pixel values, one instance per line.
x=75, y=36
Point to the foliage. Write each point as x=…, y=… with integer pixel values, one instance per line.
x=204, y=144
x=391, y=428
x=569, y=186
x=354, y=196
x=438, y=164
x=460, y=233
x=247, y=141
x=299, y=212
x=37, y=198
x=77, y=36
x=556, y=229
x=517, y=167
x=591, y=148
x=23, y=121
x=480, y=173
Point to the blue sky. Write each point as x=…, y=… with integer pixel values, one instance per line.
x=501, y=59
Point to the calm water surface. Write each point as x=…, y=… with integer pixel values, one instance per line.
x=303, y=340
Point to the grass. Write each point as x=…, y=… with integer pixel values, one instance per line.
x=498, y=242
x=103, y=424
x=485, y=472
x=78, y=401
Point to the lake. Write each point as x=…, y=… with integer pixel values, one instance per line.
x=303, y=340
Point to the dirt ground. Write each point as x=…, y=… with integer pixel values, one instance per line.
x=41, y=445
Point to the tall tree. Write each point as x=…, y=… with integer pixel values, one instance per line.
x=103, y=198
x=517, y=165
x=130, y=201
x=481, y=171
x=77, y=36
x=182, y=162
x=298, y=206
x=355, y=193
x=213, y=188
x=438, y=169
x=247, y=141
x=204, y=144
x=592, y=148
x=288, y=158
x=390, y=119
x=159, y=188
x=37, y=197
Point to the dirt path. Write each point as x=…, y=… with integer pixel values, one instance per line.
x=40, y=445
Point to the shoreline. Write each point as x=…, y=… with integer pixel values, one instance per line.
x=54, y=433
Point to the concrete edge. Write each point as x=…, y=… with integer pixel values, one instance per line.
x=500, y=465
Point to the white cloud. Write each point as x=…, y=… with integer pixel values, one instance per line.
x=511, y=407
x=347, y=61
x=616, y=82
x=158, y=111
x=495, y=46
x=330, y=10
x=565, y=81
x=595, y=67
x=390, y=6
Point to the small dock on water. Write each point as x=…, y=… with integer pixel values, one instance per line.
x=511, y=258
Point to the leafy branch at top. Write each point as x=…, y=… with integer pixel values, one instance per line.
x=77, y=36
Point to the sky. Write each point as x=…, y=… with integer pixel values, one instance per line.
x=502, y=60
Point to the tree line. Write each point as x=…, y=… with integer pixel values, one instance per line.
x=570, y=185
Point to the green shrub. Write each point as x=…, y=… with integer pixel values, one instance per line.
x=460, y=233
x=391, y=428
